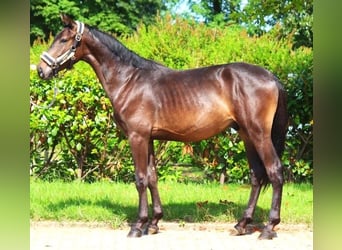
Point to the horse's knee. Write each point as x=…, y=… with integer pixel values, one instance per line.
x=141, y=182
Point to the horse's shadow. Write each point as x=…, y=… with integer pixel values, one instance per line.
x=180, y=212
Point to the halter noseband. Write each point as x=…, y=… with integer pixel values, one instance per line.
x=54, y=63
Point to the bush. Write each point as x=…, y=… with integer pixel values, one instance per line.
x=78, y=135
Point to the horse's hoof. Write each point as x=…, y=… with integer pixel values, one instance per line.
x=134, y=233
x=240, y=230
x=267, y=235
x=153, y=229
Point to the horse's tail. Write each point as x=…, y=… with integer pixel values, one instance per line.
x=279, y=129
x=280, y=122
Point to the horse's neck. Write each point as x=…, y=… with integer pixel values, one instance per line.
x=111, y=73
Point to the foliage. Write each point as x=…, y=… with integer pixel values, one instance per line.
x=217, y=10
x=112, y=16
x=76, y=138
x=292, y=18
x=295, y=18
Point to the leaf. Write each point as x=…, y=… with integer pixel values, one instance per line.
x=78, y=146
x=54, y=131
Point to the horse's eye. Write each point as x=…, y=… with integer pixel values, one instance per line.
x=63, y=40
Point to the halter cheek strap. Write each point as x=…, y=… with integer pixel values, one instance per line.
x=69, y=54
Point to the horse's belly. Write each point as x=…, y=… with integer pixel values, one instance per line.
x=193, y=120
x=190, y=132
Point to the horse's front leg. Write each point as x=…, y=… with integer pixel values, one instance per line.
x=139, y=148
x=257, y=171
x=153, y=186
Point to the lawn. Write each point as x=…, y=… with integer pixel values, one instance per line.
x=117, y=203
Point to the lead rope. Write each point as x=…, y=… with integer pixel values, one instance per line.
x=55, y=92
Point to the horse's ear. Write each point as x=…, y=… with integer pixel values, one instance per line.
x=67, y=21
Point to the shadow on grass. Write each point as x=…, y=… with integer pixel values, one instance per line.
x=225, y=211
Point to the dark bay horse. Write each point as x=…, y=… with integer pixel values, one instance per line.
x=153, y=102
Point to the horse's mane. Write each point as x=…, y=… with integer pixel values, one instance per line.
x=125, y=55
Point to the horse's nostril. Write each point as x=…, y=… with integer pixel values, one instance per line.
x=40, y=72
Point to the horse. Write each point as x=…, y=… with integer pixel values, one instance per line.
x=154, y=102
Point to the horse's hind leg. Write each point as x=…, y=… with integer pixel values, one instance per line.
x=257, y=172
x=273, y=167
x=152, y=185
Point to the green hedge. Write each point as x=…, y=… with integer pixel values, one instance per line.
x=73, y=135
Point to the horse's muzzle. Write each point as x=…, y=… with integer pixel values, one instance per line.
x=40, y=72
x=44, y=74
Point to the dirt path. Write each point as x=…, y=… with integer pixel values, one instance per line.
x=206, y=236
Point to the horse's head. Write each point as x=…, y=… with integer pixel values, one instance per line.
x=64, y=50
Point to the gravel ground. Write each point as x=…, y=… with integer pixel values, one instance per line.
x=206, y=236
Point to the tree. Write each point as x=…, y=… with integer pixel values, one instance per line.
x=119, y=16
x=290, y=17
x=218, y=9
x=210, y=11
x=295, y=18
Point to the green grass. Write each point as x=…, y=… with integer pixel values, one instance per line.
x=117, y=203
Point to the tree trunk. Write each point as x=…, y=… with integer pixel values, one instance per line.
x=217, y=6
x=223, y=176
